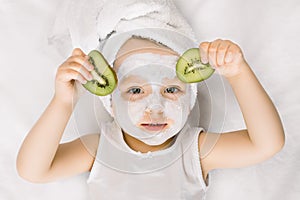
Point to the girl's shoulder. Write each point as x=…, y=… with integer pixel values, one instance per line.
x=91, y=142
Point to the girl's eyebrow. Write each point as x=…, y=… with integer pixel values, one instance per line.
x=174, y=81
x=132, y=80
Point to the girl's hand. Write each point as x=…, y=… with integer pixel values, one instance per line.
x=224, y=56
x=70, y=75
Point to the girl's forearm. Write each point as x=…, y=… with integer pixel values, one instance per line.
x=261, y=118
x=40, y=145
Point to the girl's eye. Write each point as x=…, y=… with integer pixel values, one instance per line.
x=171, y=90
x=135, y=91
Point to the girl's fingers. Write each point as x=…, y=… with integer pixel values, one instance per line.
x=81, y=69
x=221, y=52
x=78, y=52
x=212, y=52
x=78, y=68
x=229, y=54
x=83, y=61
x=68, y=74
x=203, y=48
x=234, y=53
x=80, y=57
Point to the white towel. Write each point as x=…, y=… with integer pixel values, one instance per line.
x=156, y=19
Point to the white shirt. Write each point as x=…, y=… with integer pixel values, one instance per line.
x=173, y=173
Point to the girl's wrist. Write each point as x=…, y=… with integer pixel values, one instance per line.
x=63, y=103
x=244, y=71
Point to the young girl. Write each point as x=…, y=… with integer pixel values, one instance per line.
x=153, y=102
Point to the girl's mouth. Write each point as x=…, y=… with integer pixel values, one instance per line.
x=154, y=126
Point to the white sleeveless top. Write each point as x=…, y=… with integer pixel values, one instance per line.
x=173, y=173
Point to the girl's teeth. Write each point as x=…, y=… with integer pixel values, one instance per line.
x=155, y=124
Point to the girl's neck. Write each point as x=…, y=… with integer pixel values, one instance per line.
x=140, y=146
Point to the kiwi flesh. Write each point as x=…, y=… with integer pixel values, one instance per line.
x=190, y=69
x=104, y=77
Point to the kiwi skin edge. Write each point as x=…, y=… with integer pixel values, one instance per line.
x=190, y=69
x=104, y=79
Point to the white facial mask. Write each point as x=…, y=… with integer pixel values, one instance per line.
x=153, y=114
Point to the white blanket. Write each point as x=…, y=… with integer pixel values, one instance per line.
x=268, y=32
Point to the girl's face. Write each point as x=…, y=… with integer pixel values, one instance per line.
x=150, y=103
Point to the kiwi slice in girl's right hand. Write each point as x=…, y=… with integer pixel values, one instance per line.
x=104, y=77
x=190, y=69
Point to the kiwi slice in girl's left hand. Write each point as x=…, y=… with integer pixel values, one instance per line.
x=104, y=77
x=190, y=69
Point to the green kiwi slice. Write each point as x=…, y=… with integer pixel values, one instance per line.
x=104, y=77
x=190, y=69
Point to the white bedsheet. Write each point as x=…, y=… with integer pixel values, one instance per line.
x=268, y=32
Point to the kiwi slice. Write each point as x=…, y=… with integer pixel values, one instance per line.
x=104, y=77
x=190, y=69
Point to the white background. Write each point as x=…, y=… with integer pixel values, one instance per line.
x=267, y=31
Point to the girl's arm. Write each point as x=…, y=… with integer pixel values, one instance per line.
x=262, y=120
x=41, y=153
x=264, y=135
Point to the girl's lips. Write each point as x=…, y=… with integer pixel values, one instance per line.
x=154, y=126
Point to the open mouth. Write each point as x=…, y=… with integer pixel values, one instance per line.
x=154, y=126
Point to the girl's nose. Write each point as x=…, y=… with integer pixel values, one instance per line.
x=154, y=108
x=155, y=103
